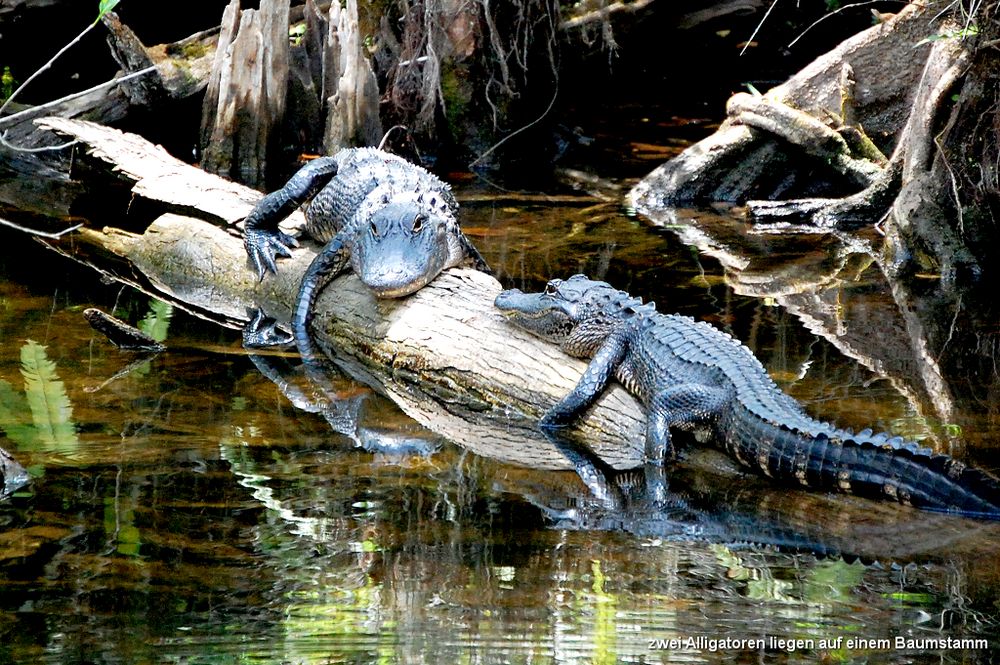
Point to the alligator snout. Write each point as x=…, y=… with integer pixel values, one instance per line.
x=505, y=300
x=397, y=274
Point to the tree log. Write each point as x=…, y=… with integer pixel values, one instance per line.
x=444, y=354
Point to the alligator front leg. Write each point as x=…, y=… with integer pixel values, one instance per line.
x=261, y=236
x=329, y=263
x=684, y=406
x=593, y=382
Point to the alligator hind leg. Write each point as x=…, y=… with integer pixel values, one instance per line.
x=261, y=236
x=474, y=258
x=683, y=406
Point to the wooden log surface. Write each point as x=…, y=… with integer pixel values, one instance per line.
x=444, y=355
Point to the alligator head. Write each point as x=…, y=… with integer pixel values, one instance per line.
x=577, y=313
x=405, y=246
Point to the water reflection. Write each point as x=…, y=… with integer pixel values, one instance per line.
x=200, y=516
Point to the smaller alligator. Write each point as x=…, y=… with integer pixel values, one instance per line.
x=689, y=374
x=395, y=222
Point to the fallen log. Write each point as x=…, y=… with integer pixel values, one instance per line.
x=444, y=355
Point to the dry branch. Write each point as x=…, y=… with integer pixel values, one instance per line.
x=181, y=70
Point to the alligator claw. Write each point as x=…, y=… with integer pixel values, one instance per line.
x=263, y=246
x=262, y=331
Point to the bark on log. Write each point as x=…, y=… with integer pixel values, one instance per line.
x=445, y=355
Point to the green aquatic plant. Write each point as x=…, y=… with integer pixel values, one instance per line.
x=40, y=419
x=7, y=83
x=15, y=418
x=51, y=410
x=156, y=323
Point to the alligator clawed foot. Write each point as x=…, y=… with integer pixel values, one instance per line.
x=263, y=246
x=262, y=332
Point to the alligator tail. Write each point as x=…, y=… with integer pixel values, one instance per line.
x=823, y=457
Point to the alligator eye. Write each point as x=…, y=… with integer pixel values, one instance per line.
x=374, y=229
x=418, y=223
x=552, y=288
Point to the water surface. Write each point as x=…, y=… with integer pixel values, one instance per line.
x=187, y=512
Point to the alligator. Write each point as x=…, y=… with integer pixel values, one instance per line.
x=690, y=376
x=394, y=221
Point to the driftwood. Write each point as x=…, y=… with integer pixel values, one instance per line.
x=765, y=155
x=445, y=355
x=921, y=89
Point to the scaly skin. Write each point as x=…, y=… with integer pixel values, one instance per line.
x=393, y=221
x=688, y=374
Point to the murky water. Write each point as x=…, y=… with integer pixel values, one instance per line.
x=185, y=511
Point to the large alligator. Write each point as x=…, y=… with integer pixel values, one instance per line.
x=689, y=374
x=395, y=222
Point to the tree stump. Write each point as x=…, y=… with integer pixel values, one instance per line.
x=245, y=100
x=895, y=83
x=349, y=86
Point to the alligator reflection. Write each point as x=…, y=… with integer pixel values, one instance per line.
x=705, y=498
x=640, y=501
x=316, y=386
